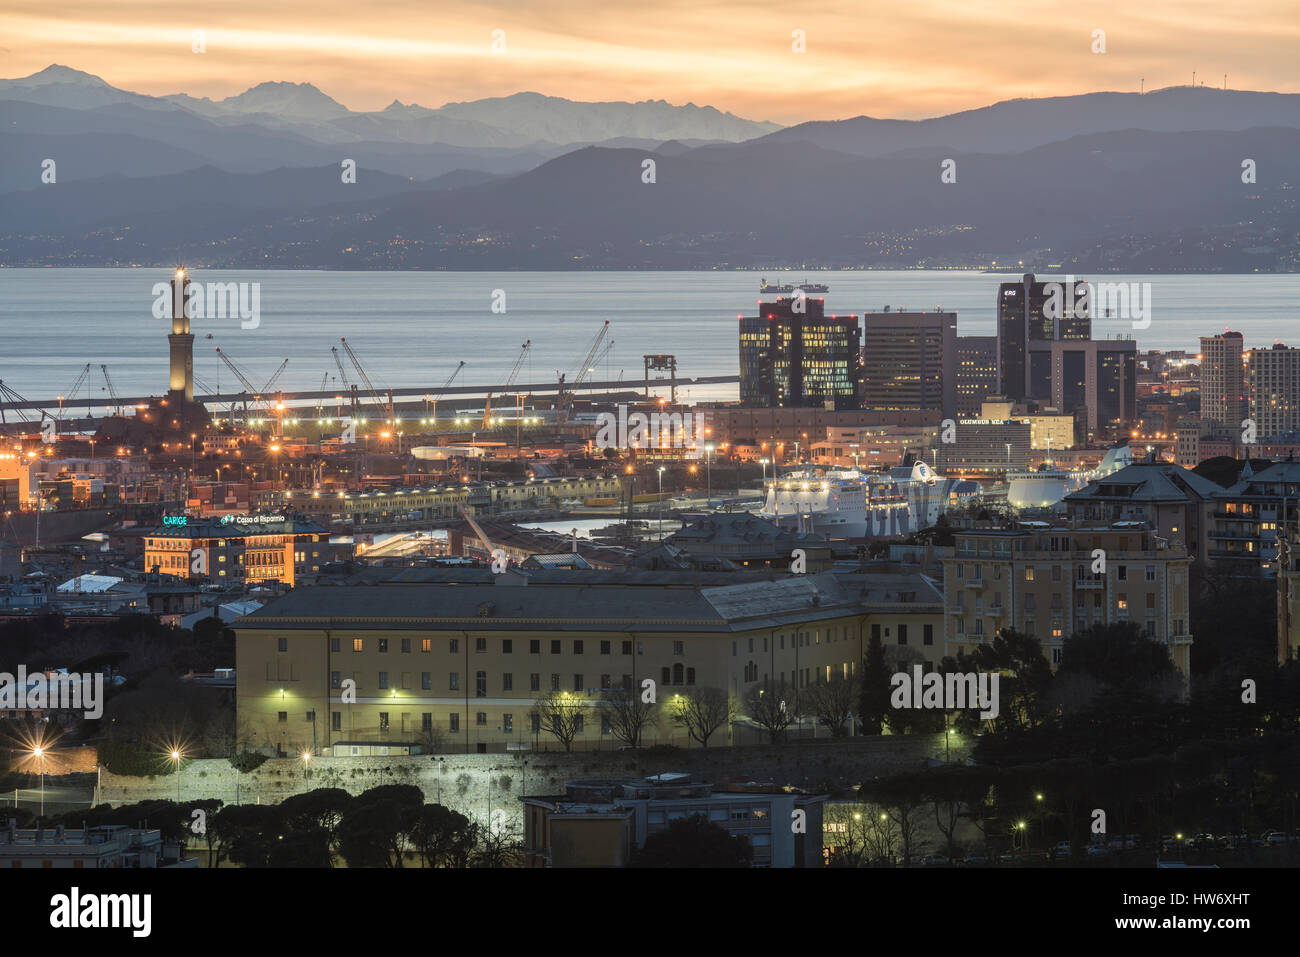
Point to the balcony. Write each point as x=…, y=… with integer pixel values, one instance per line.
x=1090, y=583
x=974, y=583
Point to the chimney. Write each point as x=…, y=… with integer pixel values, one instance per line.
x=58, y=834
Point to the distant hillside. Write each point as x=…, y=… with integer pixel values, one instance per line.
x=1123, y=201
x=1013, y=126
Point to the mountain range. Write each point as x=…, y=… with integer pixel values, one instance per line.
x=1102, y=181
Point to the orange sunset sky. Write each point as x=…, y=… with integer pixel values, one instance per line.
x=895, y=58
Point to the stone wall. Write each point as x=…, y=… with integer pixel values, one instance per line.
x=478, y=785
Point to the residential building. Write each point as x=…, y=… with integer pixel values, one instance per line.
x=88, y=848
x=1173, y=501
x=1273, y=387
x=598, y=823
x=1248, y=516
x=1222, y=373
x=1051, y=582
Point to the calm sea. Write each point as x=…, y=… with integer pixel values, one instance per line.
x=411, y=328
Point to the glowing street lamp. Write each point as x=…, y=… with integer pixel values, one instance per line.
x=176, y=756
x=39, y=752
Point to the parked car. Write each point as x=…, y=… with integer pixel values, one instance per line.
x=1276, y=837
x=935, y=860
x=1098, y=850
x=976, y=860
x=1062, y=850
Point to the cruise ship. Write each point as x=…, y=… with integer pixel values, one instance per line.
x=850, y=504
x=786, y=289
x=1050, y=486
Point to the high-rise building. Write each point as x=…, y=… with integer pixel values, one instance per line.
x=1096, y=375
x=909, y=361
x=1273, y=378
x=977, y=372
x=1222, y=388
x=1031, y=311
x=793, y=355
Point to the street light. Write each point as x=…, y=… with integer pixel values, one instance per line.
x=306, y=765
x=39, y=752
x=708, y=466
x=660, y=470
x=176, y=756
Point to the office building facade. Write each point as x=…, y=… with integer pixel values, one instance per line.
x=977, y=372
x=1030, y=311
x=909, y=361
x=793, y=355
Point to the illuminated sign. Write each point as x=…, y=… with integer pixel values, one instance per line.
x=251, y=519
x=176, y=520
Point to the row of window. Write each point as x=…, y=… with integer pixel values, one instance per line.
x=508, y=681
x=801, y=639
x=481, y=646
x=453, y=721
x=1121, y=572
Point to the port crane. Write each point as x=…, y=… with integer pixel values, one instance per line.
x=510, y=381
x=9, y=395
x=251, y=390
x=482, y=535
x=112, y=393
x=320, y=402
x=72, y=392
x=564, y=398
x=435, y=396
x=385, y=408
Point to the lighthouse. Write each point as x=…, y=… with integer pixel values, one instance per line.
x=181, y=378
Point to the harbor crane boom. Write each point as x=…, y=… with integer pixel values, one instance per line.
x=510, y=380
x=72, y=393
x=384, y=407
x=435, y=396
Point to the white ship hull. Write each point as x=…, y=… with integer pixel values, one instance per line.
x=845, y=503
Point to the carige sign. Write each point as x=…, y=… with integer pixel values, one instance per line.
x=176, y=519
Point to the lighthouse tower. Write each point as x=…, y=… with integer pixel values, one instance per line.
x=181, y=380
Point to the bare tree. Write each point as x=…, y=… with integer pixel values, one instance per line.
x=561, y=714
x=703, y=711
x=629, y=714
x=769, y=710
x=833, y=702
